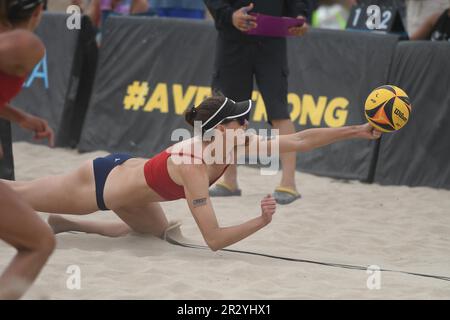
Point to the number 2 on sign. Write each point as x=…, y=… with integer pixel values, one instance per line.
x=387, y=15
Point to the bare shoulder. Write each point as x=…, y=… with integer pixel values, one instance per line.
x=22, y=50
x=31, y=48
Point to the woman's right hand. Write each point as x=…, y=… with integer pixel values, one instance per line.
x=268, y=207
x=367, y=131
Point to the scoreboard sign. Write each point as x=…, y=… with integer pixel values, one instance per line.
x=376, y=18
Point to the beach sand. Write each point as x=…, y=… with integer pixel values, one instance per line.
x=400, y=228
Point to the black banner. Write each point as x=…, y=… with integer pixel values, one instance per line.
x=59, y=87
x=333, y=72
x=151, y=70
x=419, y=153
x=6, y=155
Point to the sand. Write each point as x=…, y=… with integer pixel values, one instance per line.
x=397, y=228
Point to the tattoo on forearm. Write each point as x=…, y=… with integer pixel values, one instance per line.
x=199, y=202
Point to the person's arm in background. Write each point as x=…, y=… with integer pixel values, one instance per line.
x=424, y=32
x=298, y=9
x=139, y=6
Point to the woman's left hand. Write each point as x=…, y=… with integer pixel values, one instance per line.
x=40, y=128
x=268, y=207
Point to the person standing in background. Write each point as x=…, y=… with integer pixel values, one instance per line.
x=241, y=57
x=99, y=10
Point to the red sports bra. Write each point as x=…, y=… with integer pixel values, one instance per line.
x=10, y=87
x=158, y=179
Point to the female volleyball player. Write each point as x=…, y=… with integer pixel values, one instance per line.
x=20, y=51
x=133, y=187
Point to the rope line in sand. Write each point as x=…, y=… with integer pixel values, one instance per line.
x=327, y=264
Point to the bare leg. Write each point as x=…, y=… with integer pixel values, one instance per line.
x=288, y=160
x=24, y=230
x=146, y=220
x=61, y=224
x=72, y=193
x=230, y=177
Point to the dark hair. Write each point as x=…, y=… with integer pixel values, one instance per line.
x=205, y=110
x=16, y=11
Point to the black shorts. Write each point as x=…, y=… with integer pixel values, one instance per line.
x=239, y=62
x=102, y=168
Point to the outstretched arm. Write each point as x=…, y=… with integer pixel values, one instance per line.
x=310, y=139
x=197, y=196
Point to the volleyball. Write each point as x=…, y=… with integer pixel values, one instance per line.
x=387, y=108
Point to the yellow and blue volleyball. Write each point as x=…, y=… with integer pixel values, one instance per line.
x=388, y=108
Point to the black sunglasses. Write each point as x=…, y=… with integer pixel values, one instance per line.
x=241, y=120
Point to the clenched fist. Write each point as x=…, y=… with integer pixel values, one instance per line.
x=268, y=206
